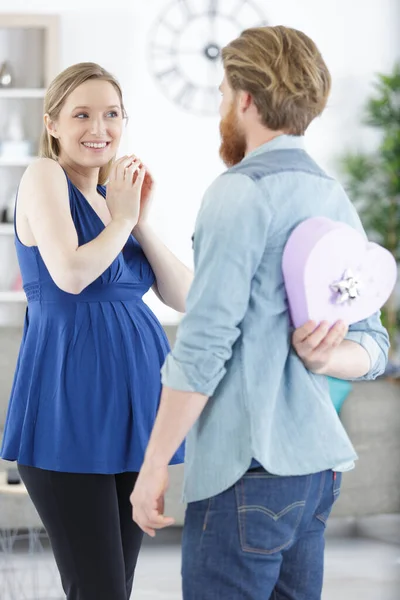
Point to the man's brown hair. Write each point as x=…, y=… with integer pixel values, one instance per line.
x=283, y=71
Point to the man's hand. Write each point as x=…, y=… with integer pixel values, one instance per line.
x=316, y=345
x=147, y=499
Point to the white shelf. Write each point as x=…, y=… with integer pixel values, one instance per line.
x=22, y=92
x=6, y=229
x=16, y=162
x=12, y=297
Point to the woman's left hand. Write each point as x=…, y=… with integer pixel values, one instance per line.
x=146, y=195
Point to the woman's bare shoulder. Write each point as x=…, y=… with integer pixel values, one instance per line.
x=43, y=177
x=44, y=167
x=43, y=187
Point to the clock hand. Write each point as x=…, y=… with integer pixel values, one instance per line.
x=185, y=9
x=212, y=13
x=213, y=8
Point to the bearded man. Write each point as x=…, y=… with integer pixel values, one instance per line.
x=265, y=448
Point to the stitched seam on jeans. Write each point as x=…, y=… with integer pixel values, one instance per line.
x=205, y=522
x=238, y=502
x=337, y=485
x=321, y=488
x=321, y=518
x=247, y=548
x=270, y=513
x=335, y=495
x=244, y=522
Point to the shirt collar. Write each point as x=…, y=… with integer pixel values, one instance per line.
x=281, y=142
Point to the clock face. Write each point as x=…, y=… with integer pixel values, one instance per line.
x=185, y=48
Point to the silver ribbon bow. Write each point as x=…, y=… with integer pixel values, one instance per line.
x=347, y=289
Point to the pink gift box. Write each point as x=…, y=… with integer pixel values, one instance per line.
x=332, y=273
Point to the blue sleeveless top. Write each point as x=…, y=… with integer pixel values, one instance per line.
x=87, y=383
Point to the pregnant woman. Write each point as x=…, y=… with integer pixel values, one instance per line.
x=87, y=383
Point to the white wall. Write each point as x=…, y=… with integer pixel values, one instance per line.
x=357, y=38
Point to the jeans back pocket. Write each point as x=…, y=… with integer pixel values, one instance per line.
x=330, y=493
x=270, y=509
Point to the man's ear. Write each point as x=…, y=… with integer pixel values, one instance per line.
x=245, y=100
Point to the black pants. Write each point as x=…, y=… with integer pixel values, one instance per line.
x=88, y=519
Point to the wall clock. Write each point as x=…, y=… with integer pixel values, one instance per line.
x=185, y=48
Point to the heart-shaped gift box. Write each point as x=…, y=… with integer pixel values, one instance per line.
x=332, y=273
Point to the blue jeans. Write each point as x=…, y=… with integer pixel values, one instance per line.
x=261, y=539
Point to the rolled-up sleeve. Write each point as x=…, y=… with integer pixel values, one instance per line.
x=373, y=337
x=229, y=242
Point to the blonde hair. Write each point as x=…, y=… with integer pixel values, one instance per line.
x=283, y=71
x=58, y=91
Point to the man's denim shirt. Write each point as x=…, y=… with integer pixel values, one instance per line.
x=234, y=343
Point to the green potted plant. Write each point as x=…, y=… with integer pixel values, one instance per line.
x=373, y=183
x=371, y=415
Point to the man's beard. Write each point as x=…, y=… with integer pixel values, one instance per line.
x=233, y=141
